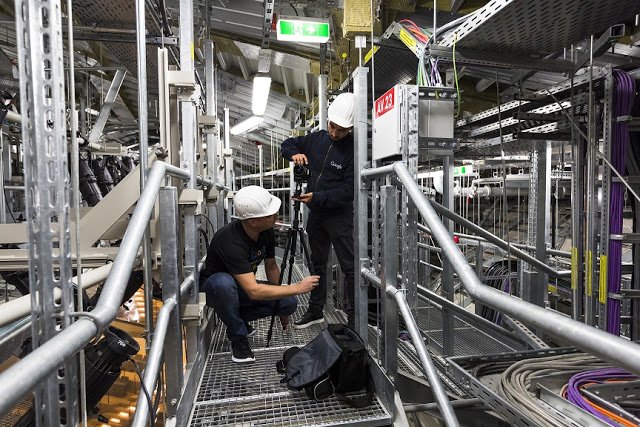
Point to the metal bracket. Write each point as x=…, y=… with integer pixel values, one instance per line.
x=191, y=312
x=449, y=144
x=208, y=124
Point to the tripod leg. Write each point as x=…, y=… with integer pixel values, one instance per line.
x=304, y=247
x=289, y=250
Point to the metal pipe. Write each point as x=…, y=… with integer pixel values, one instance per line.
x=3, y=199
x=425, y=407
x=13, y=117
x=555, y=252
x=152, y=367
x=20, y=307
x=423, y=354
x=14, y=330
x=22, y=377
x=154, y=360
x=372, y=173
x=141, y=48
x=606, y=346
x=430, y=248
x=322, y=102
x=496, y=240
x=188, y=282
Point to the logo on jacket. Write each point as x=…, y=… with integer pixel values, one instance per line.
x=336, y=165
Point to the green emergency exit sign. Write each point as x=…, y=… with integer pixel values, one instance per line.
x=304, y=30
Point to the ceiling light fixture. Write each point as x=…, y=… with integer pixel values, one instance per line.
x=246, y=125
x=260, y=96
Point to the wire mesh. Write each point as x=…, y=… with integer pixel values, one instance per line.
x=287, y=409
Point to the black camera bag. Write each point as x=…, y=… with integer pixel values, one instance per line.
x=334, y=362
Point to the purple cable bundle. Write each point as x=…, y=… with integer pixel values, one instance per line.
x=598, y=376
x=623, y=98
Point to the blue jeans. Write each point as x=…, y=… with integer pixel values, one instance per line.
x=235, y=309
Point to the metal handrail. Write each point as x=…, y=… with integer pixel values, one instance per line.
x=518, y=253
x=554, y=252
x=22, y=377
x=606, y=346
x=154, y=359
x=429, y=368
x=19, y=308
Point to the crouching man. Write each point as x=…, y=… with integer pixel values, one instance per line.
x=229, y=279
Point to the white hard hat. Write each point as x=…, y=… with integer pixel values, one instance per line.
x=254, y=201
x=341, y=110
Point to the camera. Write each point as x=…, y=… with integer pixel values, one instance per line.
x=301, y=173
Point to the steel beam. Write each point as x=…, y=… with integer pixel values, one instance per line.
x=107, y=105
x=288, y=81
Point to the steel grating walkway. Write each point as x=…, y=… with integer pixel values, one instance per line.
x=250, y=394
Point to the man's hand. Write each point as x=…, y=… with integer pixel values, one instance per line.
x=300, y=159
x=284, y=321
x=308, y=283
x=304, y=198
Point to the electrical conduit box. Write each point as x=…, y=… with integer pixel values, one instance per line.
x=404, y=111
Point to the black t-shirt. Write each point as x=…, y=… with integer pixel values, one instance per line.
x=233, y=251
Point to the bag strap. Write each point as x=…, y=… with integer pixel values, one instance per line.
x=360, y=399
x=323, y=389
x=281, y=365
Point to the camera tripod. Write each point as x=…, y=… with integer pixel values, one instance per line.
x=290, y=250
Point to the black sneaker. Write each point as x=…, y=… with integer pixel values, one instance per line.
x=251, y=331
x=241, y=351
x=308, y=319
x=351, y=321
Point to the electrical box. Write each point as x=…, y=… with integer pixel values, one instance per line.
x=408, y=120
x=435, y=119
x=387, y=135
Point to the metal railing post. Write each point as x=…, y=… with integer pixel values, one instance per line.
x=428, y=366
x=448, y=290
x=360, y=219
x=389, y=279
x=189, y=162
x=174, y=377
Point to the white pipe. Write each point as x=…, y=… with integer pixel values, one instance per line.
x=20, y=307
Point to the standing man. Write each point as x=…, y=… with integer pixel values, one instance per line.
x=329, y=197
x=229, y=277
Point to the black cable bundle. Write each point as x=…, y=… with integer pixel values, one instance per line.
x=497, y=275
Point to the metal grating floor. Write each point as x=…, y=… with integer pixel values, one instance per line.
x=251, y=394
x=468, y=339
x=286, y=409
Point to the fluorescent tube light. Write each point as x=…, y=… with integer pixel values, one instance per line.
x=261, y=86
x=246, y=125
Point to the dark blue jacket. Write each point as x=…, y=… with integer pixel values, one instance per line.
x=331, y=167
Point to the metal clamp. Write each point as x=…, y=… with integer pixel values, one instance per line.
x=95, y=319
